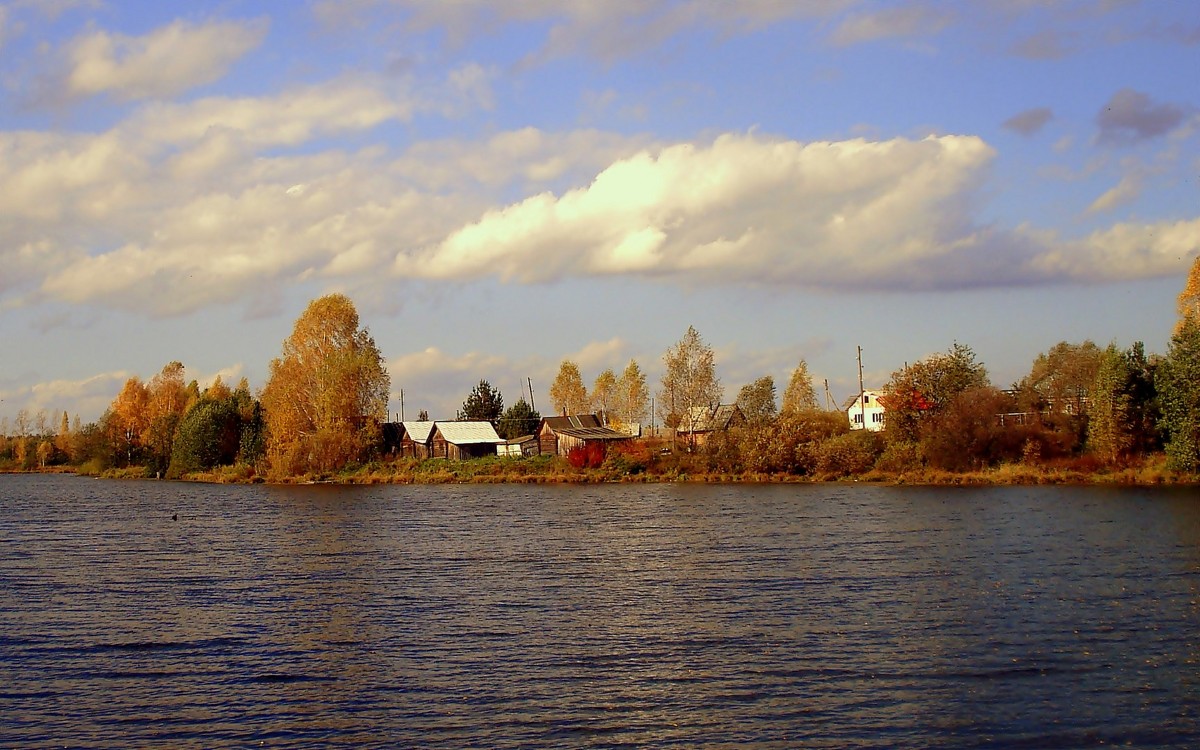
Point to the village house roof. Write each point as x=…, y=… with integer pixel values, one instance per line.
x=419, y=432
x=708, y=419
x=583, y=427
x=852, y=400
x=576, y=421
x=468, y=433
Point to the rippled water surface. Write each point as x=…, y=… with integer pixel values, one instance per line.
x=154, y=614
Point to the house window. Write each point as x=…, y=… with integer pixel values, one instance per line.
x=866, y=399
x=857, y=419
x=877, y=418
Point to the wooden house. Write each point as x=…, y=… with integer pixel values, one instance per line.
x=558, y=435
x=462, y=440
x=864, y=411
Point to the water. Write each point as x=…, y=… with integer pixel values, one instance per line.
x=596, y=616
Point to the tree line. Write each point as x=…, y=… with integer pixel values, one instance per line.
x=326, y=396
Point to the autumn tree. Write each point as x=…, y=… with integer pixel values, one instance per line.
x=326, y=393
x=130, y=418
x=1111, y=408
x=1189, y=298
x=567, y=392
x=62, y=441
x=1061, y=378
x=919, y=392
x=689, y=383
x=631, y=400
x=604, y=394
x=483, y=404
x=519, y=420
x=757, y=401
x=167, y=397
x=799, y=395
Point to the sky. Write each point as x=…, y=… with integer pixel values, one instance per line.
x=499, y=186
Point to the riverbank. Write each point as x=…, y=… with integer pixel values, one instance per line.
x=552, y=470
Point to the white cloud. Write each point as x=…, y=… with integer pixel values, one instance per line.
x=850, y=215
x=167, y=61
x=1125, y=191
x=1124, y=251
x=87, y=397
x=288, y=119
x=740, y=209
x=180, y=208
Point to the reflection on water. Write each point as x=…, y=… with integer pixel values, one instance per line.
x=596, y=616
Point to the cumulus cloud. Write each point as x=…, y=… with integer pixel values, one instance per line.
x=1030, y=122
x=163, y=216
x=167, y=61
x=763, y=210
x=179, y=206
x=851, y=215
x=1131, y=116
x=1127, y=250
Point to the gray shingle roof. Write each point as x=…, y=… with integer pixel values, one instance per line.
x=468, y=433
x=418, y=431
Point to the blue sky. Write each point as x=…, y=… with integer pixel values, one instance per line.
x=500, y=186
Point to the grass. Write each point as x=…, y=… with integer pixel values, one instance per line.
x=652, y=466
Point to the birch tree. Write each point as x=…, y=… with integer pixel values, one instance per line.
x=326, y=392
x=632, y=396
x=567, y=392
x=799, y=396
x=604, y=393
x=690, y=384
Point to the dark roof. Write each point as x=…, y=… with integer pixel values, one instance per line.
x=576, y=422
x=593, y=433
x=710, y=420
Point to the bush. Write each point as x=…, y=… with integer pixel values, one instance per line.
x=848, y=454
x=900, y=456
x=628, y=457
x=789, y=444
x=589, y=456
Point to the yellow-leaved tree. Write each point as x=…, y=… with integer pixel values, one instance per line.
x=327, y=394
x=1189, y=298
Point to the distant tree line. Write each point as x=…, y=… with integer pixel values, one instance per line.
x=326, y=398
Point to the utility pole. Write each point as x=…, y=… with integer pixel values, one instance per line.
x=401, y=404
x=862, y=402
x=532, y=405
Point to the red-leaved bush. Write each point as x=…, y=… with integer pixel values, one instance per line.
x=589, y=456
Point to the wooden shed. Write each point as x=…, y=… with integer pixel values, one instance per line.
x=462, y=440
x=559, y=435
x=414, y=439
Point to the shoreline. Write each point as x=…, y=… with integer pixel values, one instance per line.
x=498, y=473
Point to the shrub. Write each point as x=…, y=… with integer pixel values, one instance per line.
x=900, y=456
x=589, y=456
x=848, y=454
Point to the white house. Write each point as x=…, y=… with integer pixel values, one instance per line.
x=865, y=412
